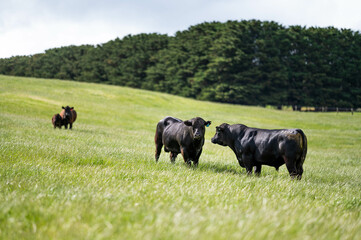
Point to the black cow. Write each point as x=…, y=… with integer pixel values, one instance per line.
x=68, y=115
x=177, y=136
x=256, y=147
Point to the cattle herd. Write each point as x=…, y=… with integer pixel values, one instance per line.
x=253, y=147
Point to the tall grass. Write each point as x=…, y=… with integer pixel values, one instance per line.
x=100, y=180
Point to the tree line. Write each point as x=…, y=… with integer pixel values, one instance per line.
x=242, y=62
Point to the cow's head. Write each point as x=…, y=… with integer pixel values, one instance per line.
x=68, y=113
x=198, y=125
x=220, y=136
x=58, y=118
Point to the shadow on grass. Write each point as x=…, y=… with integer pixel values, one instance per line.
x=214, y=167
x=232, y=169
x=220, y=168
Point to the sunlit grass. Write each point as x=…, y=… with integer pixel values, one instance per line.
x=100, y=180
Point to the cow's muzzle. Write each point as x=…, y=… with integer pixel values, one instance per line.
x=216, y=141
x=197, y=137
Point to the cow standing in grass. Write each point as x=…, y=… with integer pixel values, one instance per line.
x=68, y=115
x=255, y=147
x=177, y=136
x=57, y=121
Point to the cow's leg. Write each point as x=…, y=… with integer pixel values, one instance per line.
x=186, y=156
x=291, y=167
x=70, y=125
x=299, y=167
x=299, y=172
x=196, y=159
x=66, y=126
x=247, y=160
x=240, y=162
x=173, y=156
x=257, y=169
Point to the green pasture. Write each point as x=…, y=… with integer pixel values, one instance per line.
x=100, y=180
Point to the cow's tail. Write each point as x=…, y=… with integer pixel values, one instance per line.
x=301, y=159
x=158, y=133
x=158, y=140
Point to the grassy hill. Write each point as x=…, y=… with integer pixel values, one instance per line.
x=100, y=180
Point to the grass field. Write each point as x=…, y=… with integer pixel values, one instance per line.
x=100, y=180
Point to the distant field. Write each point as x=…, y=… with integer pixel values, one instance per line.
x=100, y=180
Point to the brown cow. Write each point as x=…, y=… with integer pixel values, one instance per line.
x=57, y=121
x=68, y=115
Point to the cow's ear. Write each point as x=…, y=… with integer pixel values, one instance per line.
x=208, y=123
x=63, y=107
x=72, y=108
x=188, y=123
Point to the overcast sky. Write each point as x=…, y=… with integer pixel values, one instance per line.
x=32, y=26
